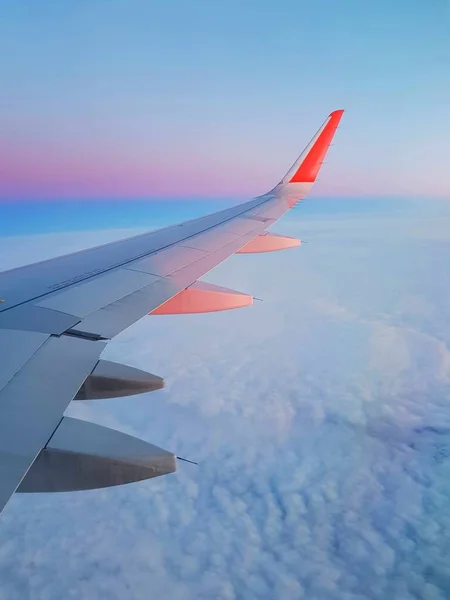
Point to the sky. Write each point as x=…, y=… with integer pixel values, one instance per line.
x=319, y=418
x=152, y=99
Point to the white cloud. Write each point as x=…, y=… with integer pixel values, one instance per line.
x=320, y=419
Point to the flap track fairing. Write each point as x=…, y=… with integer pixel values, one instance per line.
x=203, y=297
x=85, y=456
x=269, y=242
x=113, y=380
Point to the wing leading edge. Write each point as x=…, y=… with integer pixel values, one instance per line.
x=56, y=314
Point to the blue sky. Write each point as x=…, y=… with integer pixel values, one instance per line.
x=146, y=98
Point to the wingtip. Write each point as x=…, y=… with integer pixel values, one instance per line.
x=339, y=112
x=308, y=165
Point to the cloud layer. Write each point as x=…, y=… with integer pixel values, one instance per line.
x=320, y=421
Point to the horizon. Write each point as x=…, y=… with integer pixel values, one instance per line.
x=82, y=215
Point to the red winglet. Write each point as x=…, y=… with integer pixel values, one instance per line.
x=310, y=165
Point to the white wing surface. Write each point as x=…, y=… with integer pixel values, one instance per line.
x=56, y=315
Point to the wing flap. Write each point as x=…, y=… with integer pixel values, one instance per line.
x=33, y=401
x=30, y=317
x=17, y=348
x=117, y=316
x=85, y=298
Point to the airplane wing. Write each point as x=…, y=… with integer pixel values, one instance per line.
x=57, y=315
